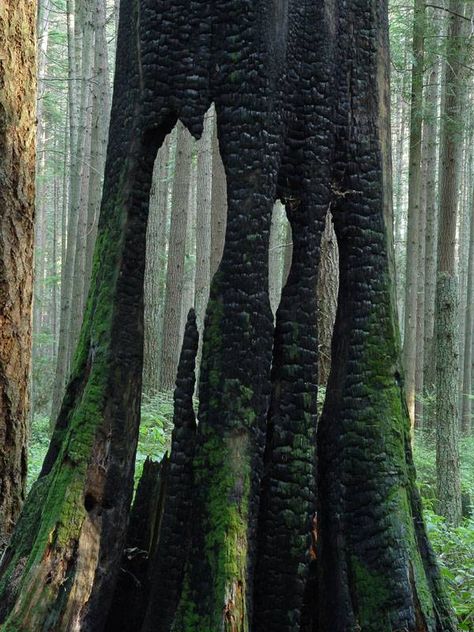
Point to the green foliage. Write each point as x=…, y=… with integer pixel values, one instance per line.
x=455, y=547
x=153, y=441
x=155, y=429
x=39, y=441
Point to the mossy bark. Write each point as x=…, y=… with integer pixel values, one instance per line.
x=17, y=175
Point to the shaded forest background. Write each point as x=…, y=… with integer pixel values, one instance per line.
x=433, y=167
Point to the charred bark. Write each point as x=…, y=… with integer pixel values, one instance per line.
x=270, y=68
x=376, y=570
x=131, y=592
x=170, y=548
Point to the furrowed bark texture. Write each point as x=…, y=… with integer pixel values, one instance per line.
x=376, y=569
x=17, y=173
x=270, y=68
x=326, y=292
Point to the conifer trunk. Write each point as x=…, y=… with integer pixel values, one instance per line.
x=17, y=173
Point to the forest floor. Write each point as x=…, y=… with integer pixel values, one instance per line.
x=455, y=547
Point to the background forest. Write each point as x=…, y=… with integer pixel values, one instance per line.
x=432, y=49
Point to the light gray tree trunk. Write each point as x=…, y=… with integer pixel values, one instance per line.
x=155, y=271
x=327, y=293
x=447, y=298
x=431, y=128
x=203, y=219
x=101, y=100
x=63, y=357
x=414, y=199
x=275, y=256
x=176, y=260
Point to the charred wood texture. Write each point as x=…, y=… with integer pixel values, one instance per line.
x=288, y=485
x=376, y=569
x=170, y=543
x=131, y=593
x=300, y=96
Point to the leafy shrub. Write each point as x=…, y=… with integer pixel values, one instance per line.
x=455, y=549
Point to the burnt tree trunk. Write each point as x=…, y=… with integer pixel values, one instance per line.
x=68, y=542
x=301, y=118
x=17, y=174
x=377, y=572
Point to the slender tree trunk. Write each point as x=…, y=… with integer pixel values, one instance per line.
x=172, y=333
x=83, y=173
x=447, y=297
x=17, y=169
x=187, y=301
x=62, y=362
x=218, y=203
x=155, y=271
x=414, y=200
x=203, y=219
x=327, y=291
x=100, y=126
x=431, y=133
x=275, y=256
x=466, y=413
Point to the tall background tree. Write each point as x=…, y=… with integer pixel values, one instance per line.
x=17, y=171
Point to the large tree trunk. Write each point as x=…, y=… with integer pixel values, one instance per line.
x=65, y=551
x=376, y=570
x=285, y=132
x=17, y=171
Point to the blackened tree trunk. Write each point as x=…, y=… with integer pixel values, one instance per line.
x=68, y=542
x=377, y=572
x=299, y=118
x=17, y=172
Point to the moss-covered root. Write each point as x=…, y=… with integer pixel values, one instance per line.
x=376, y=569
x=169, y=551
